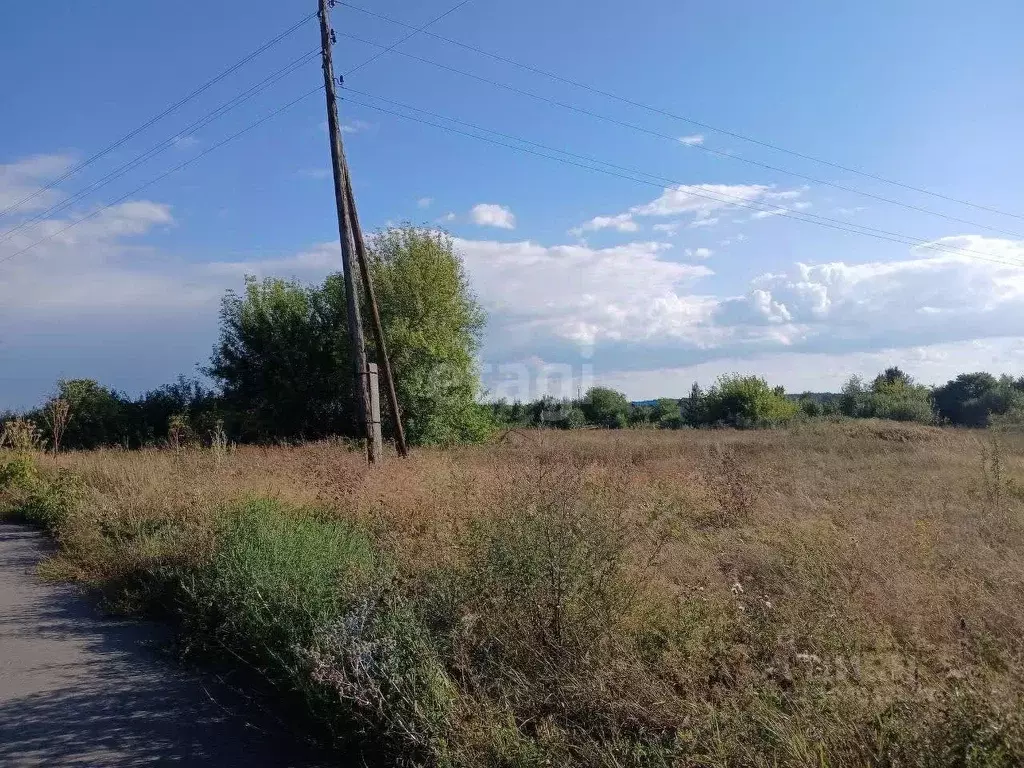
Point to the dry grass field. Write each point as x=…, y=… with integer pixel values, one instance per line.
x=844, y=594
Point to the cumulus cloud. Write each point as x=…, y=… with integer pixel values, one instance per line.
x=933, y=296
x=622, y=223
x=493, y=215
x=584, y=295
x=98, y=300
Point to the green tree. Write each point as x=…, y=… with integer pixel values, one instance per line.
x=283, y=359
x=641, y=414
x=693, y=407
x=810, y=406
x=97, y=416
x=853, y=401
x=574, y=419
x=433, y=326
x=668, y=414
x=894, y=395
x=890, y=378
x=746, y=401
x=972, y=399
x=605, y=407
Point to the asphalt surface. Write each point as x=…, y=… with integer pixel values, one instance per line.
x=80, y=689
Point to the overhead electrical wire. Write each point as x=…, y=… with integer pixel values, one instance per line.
x=675, y=140
x=206, y=120
x=165, y=174
x=580, y=161
x=163, y=146
x=415, y=31
x=136, y=131
x=682, y=118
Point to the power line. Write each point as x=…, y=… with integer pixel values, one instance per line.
x=415, y=31
x=682, y=118
x=135, y=132
x=152, y=152
x=164, y=175
x=573, y=159
x=675, y=140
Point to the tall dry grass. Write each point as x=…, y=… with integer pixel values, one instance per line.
x=833, y=594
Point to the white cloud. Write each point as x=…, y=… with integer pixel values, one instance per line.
x=849, y=212
x=424, y=202
x=705, y=201
x=492, y=215
x=691, y=141
x=448, y=218
x=765, y=214
x=581, y=294
x=25, y=177
x=932, y=297
x=700, y=198
x=186, y=142
x=622, y=223
x=355, y=126
x=96, y=300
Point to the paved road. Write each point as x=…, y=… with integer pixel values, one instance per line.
x=77, y=689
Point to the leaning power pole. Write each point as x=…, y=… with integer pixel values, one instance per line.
x=378, y=328
x=348, y=247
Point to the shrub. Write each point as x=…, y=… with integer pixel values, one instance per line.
x=745, y=401
x=307, y=603
x=605, y=407
x=44, y=500
x=574, y=419
x=668, y=413
x=274, y=581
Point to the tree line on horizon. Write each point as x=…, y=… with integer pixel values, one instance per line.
x=186, y=411
x=281, y=372
x=970, y=399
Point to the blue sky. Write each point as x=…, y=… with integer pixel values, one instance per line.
x=587, y=277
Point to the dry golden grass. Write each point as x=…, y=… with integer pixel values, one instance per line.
x=804, y=597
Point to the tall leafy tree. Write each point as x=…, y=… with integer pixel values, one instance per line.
x=283, y=356
x=433, y=326
x=282, y=359
x=972, y=399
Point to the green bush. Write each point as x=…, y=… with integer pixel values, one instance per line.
x=606, y=408
x=18, y=473
x=43, y=500
x=745, y=401
x=274, y=581
x=306, y=602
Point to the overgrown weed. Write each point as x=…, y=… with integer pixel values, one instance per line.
x=834, y=595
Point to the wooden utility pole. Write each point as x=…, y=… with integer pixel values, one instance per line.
x=378, y=329
x=348, y=249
